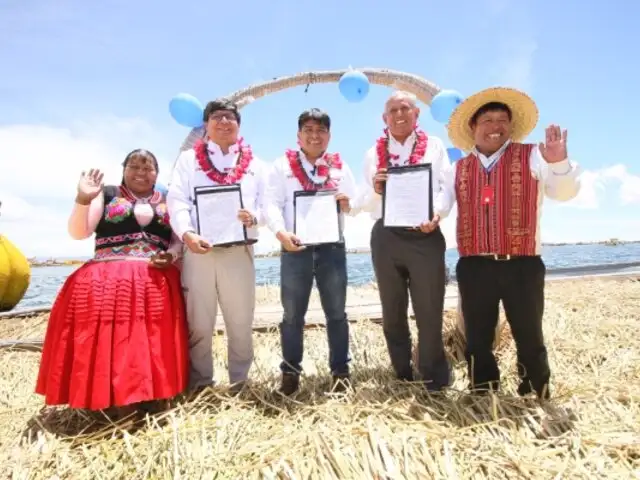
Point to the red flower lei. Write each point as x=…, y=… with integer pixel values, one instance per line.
x=215, y=175
x=332, y=160
x=417, y=152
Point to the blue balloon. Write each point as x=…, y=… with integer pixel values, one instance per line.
x=354, y=86
x=161, y=188
x=443, y=105
x=455, y=154
x=186, y=110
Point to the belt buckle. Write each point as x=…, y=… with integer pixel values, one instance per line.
x=501, y=258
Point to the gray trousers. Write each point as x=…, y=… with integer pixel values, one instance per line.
x=404, y=262
x=224, y=276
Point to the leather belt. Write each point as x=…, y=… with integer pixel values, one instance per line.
x=498, y=258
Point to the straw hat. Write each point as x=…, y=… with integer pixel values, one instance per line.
x=524, y=115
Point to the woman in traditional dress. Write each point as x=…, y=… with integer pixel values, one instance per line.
x=117, y=334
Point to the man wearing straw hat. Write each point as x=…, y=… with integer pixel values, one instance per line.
x=499, y=187
x=311, y=168
x=213, y=275
x=409, y=260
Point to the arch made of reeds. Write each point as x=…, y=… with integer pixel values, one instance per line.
x=423, y=89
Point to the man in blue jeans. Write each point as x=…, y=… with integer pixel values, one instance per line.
x=310, y=168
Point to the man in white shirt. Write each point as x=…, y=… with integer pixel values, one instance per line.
x=409, y=260
x=218, y=274
x=310, y=168
x=499, y=188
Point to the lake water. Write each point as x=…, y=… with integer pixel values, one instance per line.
x=46, y=281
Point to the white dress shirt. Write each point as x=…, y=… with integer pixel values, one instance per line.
x=559, y=181
x=282, y=184
x=436, y=155
x=187, y=175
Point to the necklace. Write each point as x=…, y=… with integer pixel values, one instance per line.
x=417, y=152
x=329, y=161
x=215, y=175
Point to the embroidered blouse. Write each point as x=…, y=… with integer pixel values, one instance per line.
x=126, y=226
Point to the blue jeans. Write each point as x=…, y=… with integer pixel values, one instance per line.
x=328, y=265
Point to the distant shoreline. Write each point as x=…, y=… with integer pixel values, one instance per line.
x=53, y=262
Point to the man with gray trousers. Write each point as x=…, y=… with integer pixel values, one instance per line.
x=409, y=260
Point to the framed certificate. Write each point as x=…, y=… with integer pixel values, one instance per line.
x=407, y=199
x=217, y=215
x=316, y=217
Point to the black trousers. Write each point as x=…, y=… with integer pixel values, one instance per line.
x=519, y=283
x=404, y=262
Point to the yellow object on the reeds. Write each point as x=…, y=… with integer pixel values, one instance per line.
x=15, y=275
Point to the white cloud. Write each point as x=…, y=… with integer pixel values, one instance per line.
x=40, y=169
x=592, y=187
x=40, y=161
x=629, y=183
x=596, y=184
x=38, y=229
x=15, y=209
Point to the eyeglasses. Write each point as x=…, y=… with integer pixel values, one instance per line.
x=219, y=117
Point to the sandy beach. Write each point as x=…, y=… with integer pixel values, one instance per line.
x=591, y=428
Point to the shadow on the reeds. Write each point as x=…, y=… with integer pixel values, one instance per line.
x=495, y=412
x=459, y=409
x=90, y=424
x=376, y=392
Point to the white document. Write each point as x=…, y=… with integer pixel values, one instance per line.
x=407, y=197
x=317, y=219
x=218, y=215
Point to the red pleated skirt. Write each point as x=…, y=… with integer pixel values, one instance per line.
x=117, y=335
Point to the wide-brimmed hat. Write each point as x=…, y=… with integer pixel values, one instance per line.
x=524, y=115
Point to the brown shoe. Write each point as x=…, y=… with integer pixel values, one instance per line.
x=341, y=383
x=290, y=384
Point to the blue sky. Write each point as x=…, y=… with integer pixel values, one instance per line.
x=85, y=82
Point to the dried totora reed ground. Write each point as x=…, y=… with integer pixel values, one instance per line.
x=384, y=429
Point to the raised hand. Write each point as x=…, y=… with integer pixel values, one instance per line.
x=89, y=186
x=554, y=149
